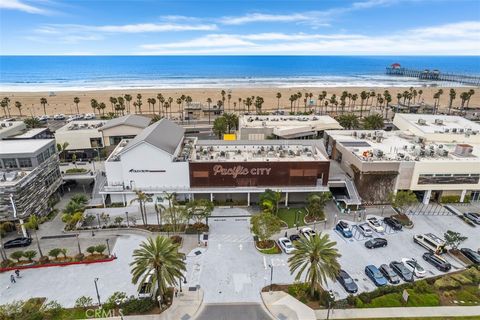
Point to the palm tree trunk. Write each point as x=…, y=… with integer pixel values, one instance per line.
x=38, y=243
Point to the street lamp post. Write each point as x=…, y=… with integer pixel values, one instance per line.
x=78, y=244
x=271, y=277
x=14, y=208
x=198, y=237
x=108, y=247
x=126, y=213
x=96, y=289
x=98, y=218
x=330, y=300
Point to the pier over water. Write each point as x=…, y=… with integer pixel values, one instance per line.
x=397, y=70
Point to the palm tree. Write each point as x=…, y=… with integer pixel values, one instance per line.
x=248, y=103
x=142, y=198
x=128, y=98
x=18, y=105
x=4, y=105
x=153, y=102
x=292, y=100
x=113, y=102
x=43, y=102
x=318, y=257
x=464, y=96
x=159, y=258
x=172, y=199
x=229, y=97
x=420, y=92
x=179, y=102
x=94, y=104
x=348, y=121
x=6, y=100
x=101, y=106
x=209, y=101
x=471, y=92
x=278, y=96
x=258, y=104
x=139, y=103
x=452, y=95
x=76, y=100
x=373, y=122
x=33, y=224
x=223, y=93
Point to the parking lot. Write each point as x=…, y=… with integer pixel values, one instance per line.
x=355, y=256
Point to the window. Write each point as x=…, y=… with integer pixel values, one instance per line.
x=40, y=158
x=10, y=163
x=46, y=154
x=25, y=162
x=448, y=179
x=200, y=174
x=96, y=142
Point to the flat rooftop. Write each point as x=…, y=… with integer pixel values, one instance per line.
x=12, y=177
x=271, y=121
x=429, y=123
x=254, y=151
x=29, y=134
x=82, y=125
x=28, y=146
x=369, y=145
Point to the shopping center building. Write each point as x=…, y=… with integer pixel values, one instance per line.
x=434, y=156
x=161, y=159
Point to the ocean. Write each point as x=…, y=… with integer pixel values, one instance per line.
x=60, y=73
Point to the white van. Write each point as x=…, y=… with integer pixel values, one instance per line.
x=431, y=242
x=148, y=287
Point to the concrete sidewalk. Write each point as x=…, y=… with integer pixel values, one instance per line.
x=283, y=306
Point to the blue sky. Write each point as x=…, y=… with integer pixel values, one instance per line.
x=290, y=27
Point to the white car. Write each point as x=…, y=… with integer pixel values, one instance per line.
x=89, y=116
x=59, y=117
x=412, y=265
x=308, y=232
x=365, y=230
x=286, y=245
x=375, y=225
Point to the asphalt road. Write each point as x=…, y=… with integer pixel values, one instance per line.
x=244, y=311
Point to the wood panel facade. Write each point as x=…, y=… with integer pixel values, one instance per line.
x=258, y=174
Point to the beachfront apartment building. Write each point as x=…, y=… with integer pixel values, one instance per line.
x=29, y=175
x=430, y=163
x=124, y=127
x=222, y=171
x=84, y=138
x=255, y=127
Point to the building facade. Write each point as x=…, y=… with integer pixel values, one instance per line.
x=125, y=127
x=83, y=137
x=225, y=171
x=29, y=175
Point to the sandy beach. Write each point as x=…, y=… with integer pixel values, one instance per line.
x=62, y=101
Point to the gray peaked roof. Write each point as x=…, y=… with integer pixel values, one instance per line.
x=163, y=134
x=129, y=120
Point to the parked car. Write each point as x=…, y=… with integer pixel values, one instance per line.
x=402, y=271
x=376, y=243
x=389, y=274
x=89, y=116
x=365, y=230
x=59, y=117
x=414, y=267
x=472, y=216
x=286, y=245
x=344, y=229
x=393, y=223
x=294, y=237
x=437, y=261
x=347, y=282
x=375, y=275
x=431, y=242
x=375, y=224
x=308, y=232
x=471, y=255
x=17, y=242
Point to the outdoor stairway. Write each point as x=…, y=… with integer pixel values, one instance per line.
x=99, y=182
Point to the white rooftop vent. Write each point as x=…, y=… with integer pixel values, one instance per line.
x=422, y=122
x=439, y=122
x=463, y=150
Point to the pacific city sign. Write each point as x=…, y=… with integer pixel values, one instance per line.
x=144, y=171
x=236, y=171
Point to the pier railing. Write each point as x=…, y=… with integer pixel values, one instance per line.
x=434, y=75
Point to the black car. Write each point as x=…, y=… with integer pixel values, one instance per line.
x=471, y=255
x=376, y=243
x=389, y=274
x=18, y=242
x=402, y=271
x=347, y=282
x=437, y=261
x=393, y=223
x=472, y=216
x=294, y=237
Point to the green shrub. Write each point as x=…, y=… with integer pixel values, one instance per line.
x=358, y=303
x=91, y=250
x=298, y=289
x=473, y=274
x=462, y=279
x=17, y=255
x=422, y=287
x=55, y=252
x=83, y=302
x=422, y=300
x=75, y=170
x=446, y=283
x=470, y=295
x=138, y=306
x=111, y=302
x=388, y=300
x=100, y=248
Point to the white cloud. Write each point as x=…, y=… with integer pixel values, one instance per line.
x=449, y=39
x=21, y=6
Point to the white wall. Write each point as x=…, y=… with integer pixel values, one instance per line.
x=120, y=130
x=77, y=139
x=146, y=157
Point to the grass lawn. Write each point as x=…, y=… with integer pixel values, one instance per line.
x=288, y=215
x=274, y=250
